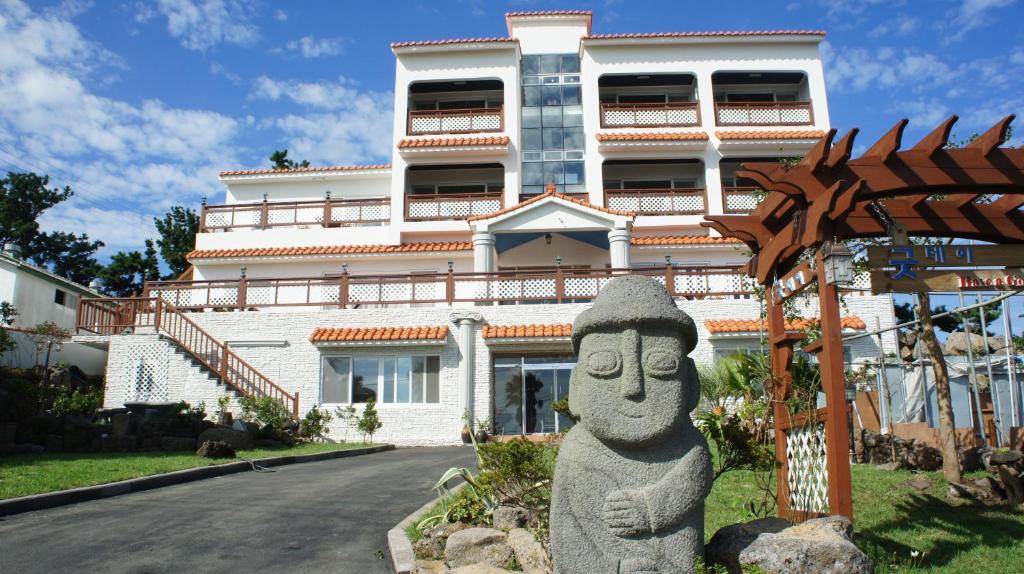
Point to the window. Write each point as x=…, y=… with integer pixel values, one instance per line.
x=552, y=130
x=60, y=297
x=385, y=379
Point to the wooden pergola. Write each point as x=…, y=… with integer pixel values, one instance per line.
x=929, y=190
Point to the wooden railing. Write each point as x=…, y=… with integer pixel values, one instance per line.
x=676, y=201
x=464, y=121
x=666, y=115
x=551, y=285
x=450, y=206
x=739, y=199
x=764, y=113
x=118, y=315
x=322, y=213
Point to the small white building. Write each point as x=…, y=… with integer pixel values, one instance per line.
x=39, y=296
x=526, y=171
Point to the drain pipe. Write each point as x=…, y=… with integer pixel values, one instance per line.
x=466, y=338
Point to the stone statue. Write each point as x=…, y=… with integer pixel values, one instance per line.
x=632, y=475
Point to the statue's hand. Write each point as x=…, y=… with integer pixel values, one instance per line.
x=625, y=513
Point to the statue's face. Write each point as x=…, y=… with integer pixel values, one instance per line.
x=631, y=387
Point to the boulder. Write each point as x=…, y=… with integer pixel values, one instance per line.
x=476, y=545
x=122, y=423
x=215, y=449
x=529, y=552
x=238, y=440
x=177, y=443
x=509, y=517
x=428, y=548
x=482, y=568
x=429, y=567
x=956, y=344
x=822, y=545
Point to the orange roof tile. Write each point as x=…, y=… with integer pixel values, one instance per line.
x=652, y=136
x=491, y=40
x=329, y=334
x=311, y=169
x=523, y=14
x=683, y=240
x=751, y=325
x=541, y=196
x=770, y=135
x=330, y=250
x=705, y=34
x=453, y=142
x=521, y=331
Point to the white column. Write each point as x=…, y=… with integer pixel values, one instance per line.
x=618, y=247
x=483, y=252
x=713, y=182
x=466, y=338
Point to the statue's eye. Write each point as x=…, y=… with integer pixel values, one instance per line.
x=604, y=363
x=661, y=363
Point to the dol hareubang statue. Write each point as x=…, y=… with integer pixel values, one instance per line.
x=632, y=475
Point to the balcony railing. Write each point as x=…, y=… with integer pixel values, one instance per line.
x=465, y=121
x=323, y=213
x=764, y=113
x=739, y=199
x=667, y=115
x=549, y=285
x=685, y=201
x=454, y=206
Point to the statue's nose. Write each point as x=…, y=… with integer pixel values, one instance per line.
x=632, y=382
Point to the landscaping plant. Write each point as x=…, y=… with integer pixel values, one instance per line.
x=266, y=412
x=369, y=423
x=315, y=425
x=347, y=415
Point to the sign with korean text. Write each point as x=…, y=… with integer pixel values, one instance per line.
x=793, y=282
x=882, y=281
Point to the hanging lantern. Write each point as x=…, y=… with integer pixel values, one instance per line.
x=838, y=264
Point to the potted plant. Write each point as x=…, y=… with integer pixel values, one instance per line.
x=483, y=429
x=467, y=431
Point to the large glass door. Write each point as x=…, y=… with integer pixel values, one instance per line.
x=524, y=390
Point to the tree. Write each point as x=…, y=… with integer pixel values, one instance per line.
x=177, y=231
x=66, y=254
x=7, y=314
x=369, y=423
x=125, y=274
x=280, y=160
x=23, y=198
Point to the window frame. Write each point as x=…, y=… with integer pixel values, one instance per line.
x=381, y=360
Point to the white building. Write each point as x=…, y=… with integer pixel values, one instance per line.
x=526, y=170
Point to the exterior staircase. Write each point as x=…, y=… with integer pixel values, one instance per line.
x=119, y=316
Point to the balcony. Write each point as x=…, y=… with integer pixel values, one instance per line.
x=672, y=201
x=452, y=206
x=763, y=113
x=661, y=115
x=449, y=192
x=739, y=199
x=462, y=121
x=268, y=215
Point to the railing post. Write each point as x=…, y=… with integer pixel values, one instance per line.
x=295, y=405
x=242, y=287
x=157, y=309
x=449, y=286
x=327, y=210
x=670, y=278
x=264, y=213
x=343, y=290
x=559, y=283
x=202, y=216
x=224, y=362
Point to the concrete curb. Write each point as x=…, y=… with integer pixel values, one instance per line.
x=402, y=556
x=75, y=495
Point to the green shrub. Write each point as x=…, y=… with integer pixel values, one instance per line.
x=519, y=473
x=315, y=424
x=265, y=411
x=369, y=422
x=77, y=402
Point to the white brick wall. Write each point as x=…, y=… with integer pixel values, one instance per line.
x=292, y=362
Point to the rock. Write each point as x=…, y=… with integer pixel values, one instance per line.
x=725, y=546
x=822, y=546
x=7, y=433
x=529, y=552
x=54, y=443
x=920, y=484
x=238, y=440
x=475, y=545
x=889, y=466
x=429, y=567
x=956, y=344
x=177, y=443
x=970, y=492
x=992, y=485
x=482, y=568
x=632, y=475
x=509, y=517
x=1012, y=484
x=122, y=423
x=428, y=548
x=25, y=448
x=215, y=449
x=445, y=529
x=910, y=454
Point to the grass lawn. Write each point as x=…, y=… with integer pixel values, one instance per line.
x=892, y=520
x=37, y=473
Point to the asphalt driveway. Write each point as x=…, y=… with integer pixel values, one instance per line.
x=329, y=516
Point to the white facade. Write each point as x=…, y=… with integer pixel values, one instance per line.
x=525, y=171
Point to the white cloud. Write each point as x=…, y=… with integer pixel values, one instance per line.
x=902, y=25
x=1017, y=57
x=203, y=24
x=218, y=69
x=922, y=113
x=312, y=47
x=857, y=69
x=973, y=14
x=280, y=15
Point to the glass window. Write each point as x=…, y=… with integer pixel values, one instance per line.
x=533, y=189
x=570, y=95
x=508, y=397
x=531, y=117
x=531, y=139
x=552, y=156
x=404, y=366
x=531, y=156
x=573, y=138
x=553, y=172
x=570, y=79
x=59, y=296
x=531, y=65
x=574, y=172
x=550, y=64
x=365, y=371
x=334, y=387
x=432, y=380
x=552, y=138
x=570, y=63
x=574, y=155
x=387, y=379
x=531, y=96
x=533, y=174
x=550, y=79
x=418, y=370
x=552, y=96
x=572, y=116
x=531, y=80
x=552, y=116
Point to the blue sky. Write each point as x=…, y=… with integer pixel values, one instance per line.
x=137, y=105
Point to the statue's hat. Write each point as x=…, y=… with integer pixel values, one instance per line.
x=633, y=300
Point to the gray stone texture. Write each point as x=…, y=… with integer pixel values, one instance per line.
x=823, y=545
x=239, y=440
x=632, y=475
x=509, y=517
x=476, y=545
x=529, y=552
x=215, y=449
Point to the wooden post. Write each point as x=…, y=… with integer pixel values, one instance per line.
x=156, y=314
x=343, y=291
x=295, y=405
x=781, y=357
x=327, y=210
x=833, y=382
x=670, y=281
x=224, y=362
x=559, y=284
x=264, y=214
x=242, y=286
x=449, y=287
